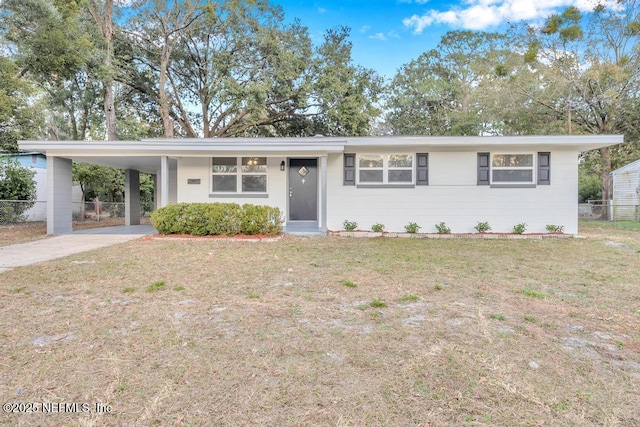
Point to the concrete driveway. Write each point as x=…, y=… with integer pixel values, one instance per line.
x=23, y=254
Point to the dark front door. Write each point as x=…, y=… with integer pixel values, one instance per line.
x=303, y=189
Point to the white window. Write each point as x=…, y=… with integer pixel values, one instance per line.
x=249, y=177
x=385, y=168
x=512, y=169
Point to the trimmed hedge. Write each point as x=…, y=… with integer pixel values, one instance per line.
x=218, y=219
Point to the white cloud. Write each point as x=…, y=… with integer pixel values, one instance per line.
x=482, y=14
x=378, y=36
x=322, y=10
x=365, y=29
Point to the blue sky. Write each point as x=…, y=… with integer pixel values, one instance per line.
x=389, y=33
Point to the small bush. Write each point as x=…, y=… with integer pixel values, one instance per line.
x=378, y=228
x=442, y=228
x=412, y=228
x=350, y=225
x=555, y=228
x=482, y=227
x=520, y=228
x=217, y=219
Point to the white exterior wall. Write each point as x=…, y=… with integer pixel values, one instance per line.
x=200, y=168
x=454, y=197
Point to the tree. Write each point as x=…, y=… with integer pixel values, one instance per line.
x=236, y=69
x=588, y=70
x=19, y=113
x=446, y=91
x=53, y=44
x=344, y=94
x=103, y=17
x=156, y=31
x=17, y=184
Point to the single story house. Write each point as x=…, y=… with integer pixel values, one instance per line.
x=626, y=192
x=320, y=182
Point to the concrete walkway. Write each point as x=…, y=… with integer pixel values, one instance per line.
x=23, y=254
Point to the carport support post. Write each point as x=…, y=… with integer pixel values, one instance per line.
x=59, y=185
x=164, y=181
x=131, y=197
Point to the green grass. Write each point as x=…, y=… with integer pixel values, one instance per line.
x=623, y=225
x=156, y=286
x=128, y=290
x=349, y=284
x=377, y=303
x=533, y=293
x=497, y=317
x=409, y=298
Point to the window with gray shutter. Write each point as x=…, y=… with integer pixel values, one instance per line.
x=483, y=168
x=544, y=168
x=349, y=169
x=422, y=169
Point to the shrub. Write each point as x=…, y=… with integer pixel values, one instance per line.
x=520, y=228
x=16, y=184
x=378, y=228
x=412, y=228
x=217, y=219
x=551, y=228
x=350, y=225
x=442, y=228
x=482, y=227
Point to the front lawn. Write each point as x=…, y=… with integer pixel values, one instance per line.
x=329, y=331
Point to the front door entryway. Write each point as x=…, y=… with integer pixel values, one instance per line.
x=303, y=189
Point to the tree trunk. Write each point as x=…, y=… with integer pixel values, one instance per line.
x=163, y=98
x=104, y=21
x=109, y=104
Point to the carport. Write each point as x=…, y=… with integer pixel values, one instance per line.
x=143, y=157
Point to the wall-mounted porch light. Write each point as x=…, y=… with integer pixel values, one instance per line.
x=282, y=165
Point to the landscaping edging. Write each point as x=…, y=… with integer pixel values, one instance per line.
x=239, y=238
x=530, y=236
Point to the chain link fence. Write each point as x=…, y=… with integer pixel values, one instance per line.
x=15, y=211
x=616, y=214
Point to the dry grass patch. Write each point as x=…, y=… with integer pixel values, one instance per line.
x=34, y=230
x=22, y=232
x=269, y=334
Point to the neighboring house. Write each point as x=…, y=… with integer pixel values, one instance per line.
x=320, y=182
x=38, y=163
x=626, y=192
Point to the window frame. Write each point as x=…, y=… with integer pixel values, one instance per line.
x=239, y=174
x=531, y=168
x=385, y=168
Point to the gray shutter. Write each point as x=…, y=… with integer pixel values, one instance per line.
x=483, y=169
x=349, y=169
x=422, y=170
x=544, y=168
